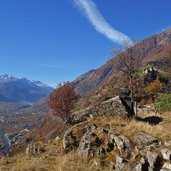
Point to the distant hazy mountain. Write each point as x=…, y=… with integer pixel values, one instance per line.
x=13, y=89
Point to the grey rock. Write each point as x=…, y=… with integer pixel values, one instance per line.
x=85, y=148
x=122, y=143
x=166, y=166
x=111, y=135
x=90, y=142
x=139, y=167
x=166, y=153
x=153, y=160
x=146, y=139
x=65, y=141
x=102, y=152
x=113, y=107
x=95, y=141
x=119, y=143
x=120, y=164
x=165, y=170
x=142, y=160
x=35, y=148
x=142, y=165
x=90, y=128
x=126, y=142
x=69, y=141
x=167, y=143
x=77, y=118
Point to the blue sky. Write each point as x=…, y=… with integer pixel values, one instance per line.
x=53, y=41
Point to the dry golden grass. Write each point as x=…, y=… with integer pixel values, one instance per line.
x=55, y=159
x=67, y=162
x=129, y=127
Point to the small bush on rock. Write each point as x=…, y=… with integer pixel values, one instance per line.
x=163, y=103
x=154, y=87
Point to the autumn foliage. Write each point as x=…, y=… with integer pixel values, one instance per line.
x=154, y=87
x=62, y=100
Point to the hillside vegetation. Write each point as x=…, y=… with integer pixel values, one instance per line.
x=104, y=130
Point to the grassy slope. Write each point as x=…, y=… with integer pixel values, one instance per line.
x=54, y=159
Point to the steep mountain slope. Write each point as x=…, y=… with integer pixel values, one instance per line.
x=21, y=90
x=152, y=47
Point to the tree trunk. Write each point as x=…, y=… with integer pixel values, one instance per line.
x=132, y=97
x=136, y=111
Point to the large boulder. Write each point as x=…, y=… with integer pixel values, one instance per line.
x=113, y=107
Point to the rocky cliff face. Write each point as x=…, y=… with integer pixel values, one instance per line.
x=151, y=48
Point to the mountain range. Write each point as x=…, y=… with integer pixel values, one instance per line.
x=13, y=89
x=158, y=45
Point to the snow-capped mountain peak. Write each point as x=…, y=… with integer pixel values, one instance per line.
x=7, y=77
x=40, y=84
x=14, y=89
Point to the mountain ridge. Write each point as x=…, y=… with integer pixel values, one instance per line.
x=151, y=47
x=14, y=89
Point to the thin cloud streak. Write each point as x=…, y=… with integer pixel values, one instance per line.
x=90, y=10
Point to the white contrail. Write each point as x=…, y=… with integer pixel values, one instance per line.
x=89, y=9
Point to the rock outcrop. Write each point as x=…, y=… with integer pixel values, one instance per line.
x=98, y=142
x=153, y=160
x=145, y=139
x=35, y=148
x=120, y=164
x=94, y=142
x=166, y=153
x=69, y=141
x=113, y=107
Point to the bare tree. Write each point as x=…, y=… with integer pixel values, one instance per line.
x=128, y=60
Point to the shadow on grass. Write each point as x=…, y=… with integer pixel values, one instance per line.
x=153, y=120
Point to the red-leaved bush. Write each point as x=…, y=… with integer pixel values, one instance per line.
x=62, y=100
